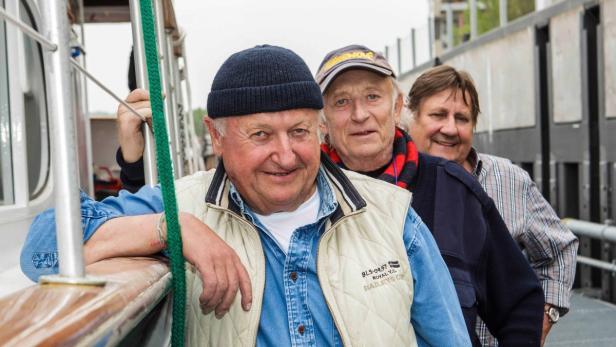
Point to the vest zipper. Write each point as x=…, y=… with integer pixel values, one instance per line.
x=328, y=231
x=252, y=227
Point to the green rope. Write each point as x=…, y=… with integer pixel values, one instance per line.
x=165, y=174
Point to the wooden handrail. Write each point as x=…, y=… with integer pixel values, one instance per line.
x=52, y=315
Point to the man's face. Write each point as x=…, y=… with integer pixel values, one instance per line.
x=443, y=126
x=271, y=158
x=360, y=118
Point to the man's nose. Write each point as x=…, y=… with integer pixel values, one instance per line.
x=449, y=127
x=359, y=111
x=283, y=154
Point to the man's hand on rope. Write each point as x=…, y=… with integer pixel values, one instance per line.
x=221, y=270
x=129, y=124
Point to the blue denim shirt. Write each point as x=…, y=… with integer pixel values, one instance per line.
x=292, y=296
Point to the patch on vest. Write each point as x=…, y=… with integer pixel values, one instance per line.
x=381, y=275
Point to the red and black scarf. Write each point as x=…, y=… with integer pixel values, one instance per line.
x=401, y=169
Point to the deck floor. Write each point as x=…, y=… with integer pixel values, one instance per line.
x=590, y=322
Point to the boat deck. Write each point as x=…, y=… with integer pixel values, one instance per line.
x=590, y=322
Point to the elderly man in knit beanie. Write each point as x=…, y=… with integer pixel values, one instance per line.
x=333, y=257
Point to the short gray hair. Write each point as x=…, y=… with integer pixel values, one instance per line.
x=405, y=112
x=220, y=125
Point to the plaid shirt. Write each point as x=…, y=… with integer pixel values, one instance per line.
x=551, y=248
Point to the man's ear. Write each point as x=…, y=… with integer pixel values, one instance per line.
x=323, y=129
x=215, y=136
x=399, y=104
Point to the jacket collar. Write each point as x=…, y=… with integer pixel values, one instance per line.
x=475, y=161
x=348, y=198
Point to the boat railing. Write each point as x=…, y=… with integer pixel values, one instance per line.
x=131, y=306
x=601, y=232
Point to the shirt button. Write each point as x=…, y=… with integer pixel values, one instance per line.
x=293, y=276
x=301, y=329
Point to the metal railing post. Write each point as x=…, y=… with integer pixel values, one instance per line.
x=473, y=10
x=178, y=117
x=167, y=88
x=449, y=21
x=593, y=230
x=603, y=232
x=195, y=144
x=502, y=12
x=431, y=37
x=413, y=47
x=182, y=134
x=66, y=195
x=141, y=74
x=83, y=102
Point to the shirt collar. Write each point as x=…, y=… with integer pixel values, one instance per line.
x=476, y=163
x=326, y=194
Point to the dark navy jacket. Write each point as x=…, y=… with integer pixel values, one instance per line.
x=492, y=277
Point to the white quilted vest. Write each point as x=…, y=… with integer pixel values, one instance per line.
x=362, y=265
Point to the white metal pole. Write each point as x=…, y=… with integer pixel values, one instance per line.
x=413, y=47
x=165, y=83
x=473, y=11
x=68, y=222
x=174, y=98
x=84, y=101
x=449, y=18
x=141, y=74
x=597, y=231
x=502, y=11
x=26, y=29
x=431, y=44
x=196, y=144
x=431, y=29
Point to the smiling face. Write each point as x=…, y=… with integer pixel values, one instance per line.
x=360, y=118
x=443, y=126
x=271, y=158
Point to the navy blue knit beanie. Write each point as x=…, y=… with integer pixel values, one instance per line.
x=262, y=79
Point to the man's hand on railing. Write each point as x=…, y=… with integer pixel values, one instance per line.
x=222, y=273
x=221, y=270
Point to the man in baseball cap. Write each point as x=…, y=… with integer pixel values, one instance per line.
x=362, y=107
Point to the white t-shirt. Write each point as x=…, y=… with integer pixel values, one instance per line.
x=281, y=225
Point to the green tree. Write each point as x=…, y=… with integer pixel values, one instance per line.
x=489, y=18
x=518, y=8
x=198, y=114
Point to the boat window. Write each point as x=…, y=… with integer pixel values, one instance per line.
x=35, y=108
x=6, y=167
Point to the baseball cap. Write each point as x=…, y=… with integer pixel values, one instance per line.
x=353, y=56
